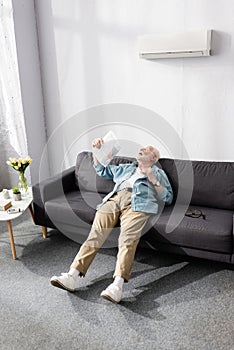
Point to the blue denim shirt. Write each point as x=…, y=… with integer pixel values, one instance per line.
x=144, y=195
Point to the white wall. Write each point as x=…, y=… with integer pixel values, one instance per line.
x=89, y=57
x=30, y=83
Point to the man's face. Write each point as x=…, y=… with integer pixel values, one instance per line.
x=146, y=155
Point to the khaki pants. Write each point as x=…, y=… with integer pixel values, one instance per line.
x=132, y=223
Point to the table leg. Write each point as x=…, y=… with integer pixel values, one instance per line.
x=11, y=239
x=44, y=231
x=31, y=212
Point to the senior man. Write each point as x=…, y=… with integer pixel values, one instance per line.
x=138, y=188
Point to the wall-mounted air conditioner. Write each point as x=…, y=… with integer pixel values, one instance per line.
x=186, y=44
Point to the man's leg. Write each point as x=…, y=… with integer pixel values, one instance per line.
x=132, y=225
x=105, y=219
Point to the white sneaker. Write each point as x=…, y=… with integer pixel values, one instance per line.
x=112, y=293
x=65, y=281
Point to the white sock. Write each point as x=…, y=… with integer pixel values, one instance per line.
x=74, y=273
x=119, y=281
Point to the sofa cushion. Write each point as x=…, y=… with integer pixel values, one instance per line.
x=82, y=204
x=86, y=177
x=213, y=234
x=213, y=182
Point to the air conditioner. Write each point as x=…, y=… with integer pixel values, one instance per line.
x=175, y=45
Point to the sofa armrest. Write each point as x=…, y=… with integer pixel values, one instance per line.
x=48, y=189
x=54, y=186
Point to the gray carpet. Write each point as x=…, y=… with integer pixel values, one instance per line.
x=170, y=302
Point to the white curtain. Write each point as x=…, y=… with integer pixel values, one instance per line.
x=13, y=140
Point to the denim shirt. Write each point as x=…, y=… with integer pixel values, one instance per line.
x=144, y=196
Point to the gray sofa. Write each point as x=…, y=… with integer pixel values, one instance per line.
x=67, y=202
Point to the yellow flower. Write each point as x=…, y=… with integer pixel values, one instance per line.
x=28, y=159
x=19, y=164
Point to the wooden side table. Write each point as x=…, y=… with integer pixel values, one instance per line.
x=24, y=204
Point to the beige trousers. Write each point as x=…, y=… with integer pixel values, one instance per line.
x=118, y=207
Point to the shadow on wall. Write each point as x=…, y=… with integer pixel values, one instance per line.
x=4, y=173
x=8, y=176
x=221, y=43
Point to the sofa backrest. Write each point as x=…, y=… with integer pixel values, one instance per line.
x=86, y=177
x=213, y=182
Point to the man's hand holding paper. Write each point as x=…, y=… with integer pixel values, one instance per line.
x=105, y=149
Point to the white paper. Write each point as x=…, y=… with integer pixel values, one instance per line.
x=108, y=149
